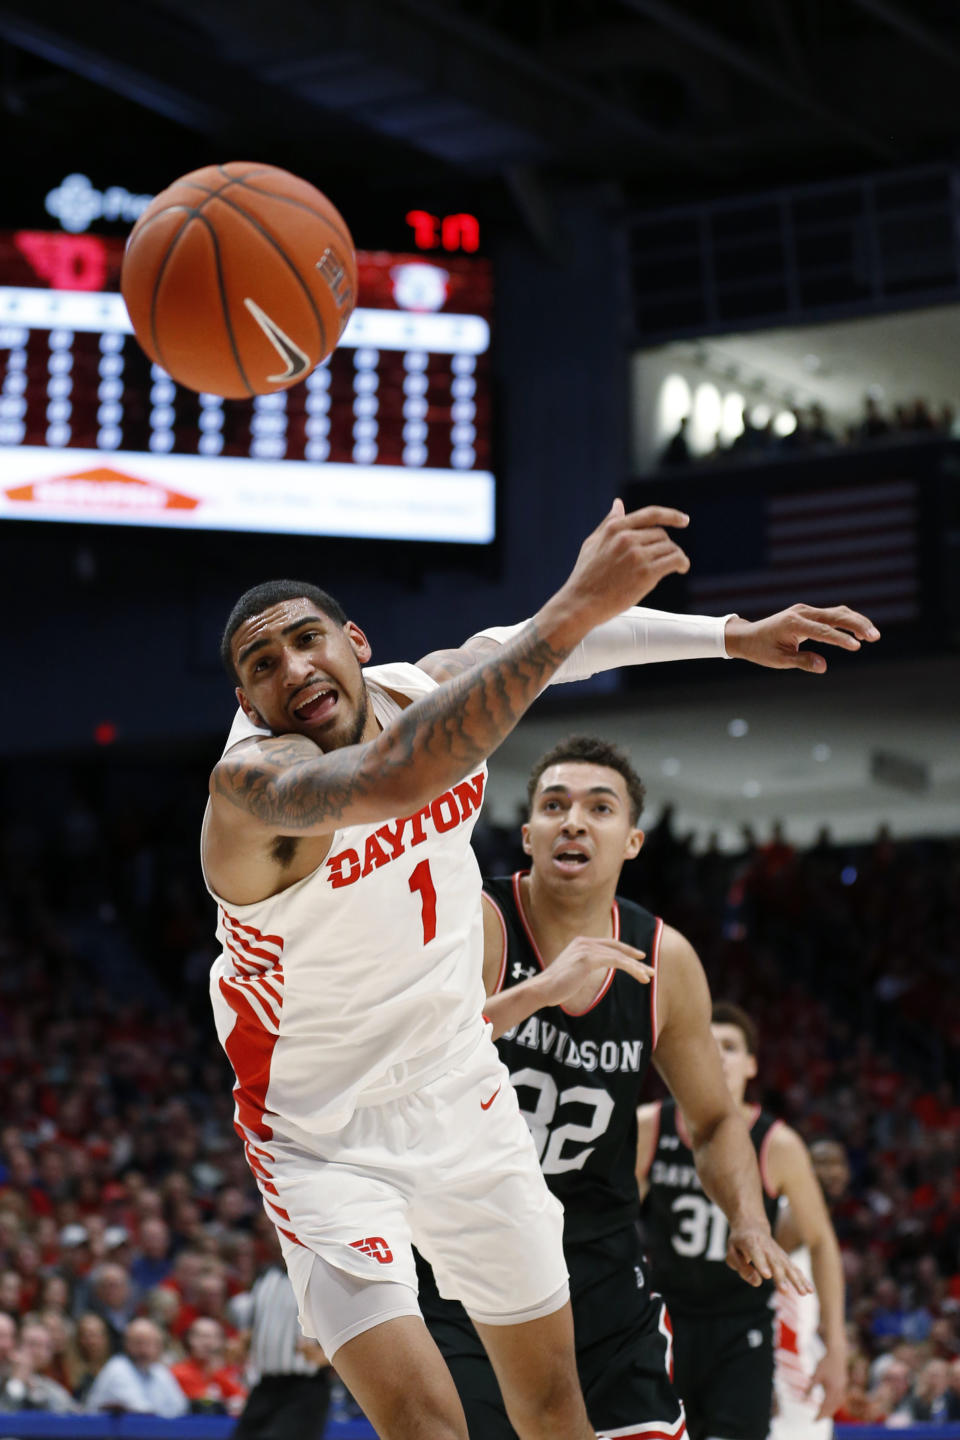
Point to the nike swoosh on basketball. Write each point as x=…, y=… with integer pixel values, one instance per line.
x=297, y=362
x=485, y=1104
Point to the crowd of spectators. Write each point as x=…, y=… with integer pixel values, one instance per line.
x=131, y=1233
x=813, y=432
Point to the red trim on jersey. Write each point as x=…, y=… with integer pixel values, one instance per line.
x=276, y=940
x=762, y=1157
x=658, y=1110
x=654, y=987
x=290, y=1236
x=249, y=1046
x=503, y=956
x=650, y=1430
x=668, y=1327
x=608, y=981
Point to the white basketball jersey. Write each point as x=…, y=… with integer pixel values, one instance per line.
x=797, y=1354
x=364, y=980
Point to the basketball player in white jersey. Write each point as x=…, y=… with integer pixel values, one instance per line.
x=802, y=1410
x=372, y=1104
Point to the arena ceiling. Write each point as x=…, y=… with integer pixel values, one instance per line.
x=669, y=98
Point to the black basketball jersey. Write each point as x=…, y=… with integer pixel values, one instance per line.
x=578, y=1076
x=687, y=1233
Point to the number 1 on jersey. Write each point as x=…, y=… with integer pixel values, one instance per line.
x=421, y=882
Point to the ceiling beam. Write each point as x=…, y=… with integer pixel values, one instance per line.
x=559, y=89
x=758, y=70
x=111, y=52
x=920, y=35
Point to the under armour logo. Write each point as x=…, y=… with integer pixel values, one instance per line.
x=523, y=972
x=374, y=1246
x=641, y=1282
x=754, y=1339
x=669, y=1142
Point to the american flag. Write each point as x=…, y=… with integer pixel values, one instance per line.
x=854, y=545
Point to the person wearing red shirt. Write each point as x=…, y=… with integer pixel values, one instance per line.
x=209, y=1384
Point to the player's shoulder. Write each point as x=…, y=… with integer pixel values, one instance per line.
x=400, y=679
x=499, y=890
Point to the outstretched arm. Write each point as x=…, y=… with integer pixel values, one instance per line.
x=790, y=1170
x=289, y=786
x=640, y=636
x=688, y=1059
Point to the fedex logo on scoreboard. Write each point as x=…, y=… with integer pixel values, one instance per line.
x=76, y=203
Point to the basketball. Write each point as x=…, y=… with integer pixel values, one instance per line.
x=239, y=279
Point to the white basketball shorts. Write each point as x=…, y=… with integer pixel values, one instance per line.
x=450, y=1168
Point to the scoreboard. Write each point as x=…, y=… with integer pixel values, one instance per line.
x=388, y=439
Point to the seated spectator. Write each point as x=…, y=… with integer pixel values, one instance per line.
x=818, y=431
x=10, y=1293
x=677, y=450
x=873, y=426
x=137, y=1382
x=210, y=1300
x=87, y=1354
x=888, y=1317
x=931, y=1397
x=27, y=1387
x=8, y=1343
x=152, y=1263
x=211, y=1386
x=113, y=1300
x=888, y=1395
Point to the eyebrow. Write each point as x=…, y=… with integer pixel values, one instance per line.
x=594, y=790
x=254, y=645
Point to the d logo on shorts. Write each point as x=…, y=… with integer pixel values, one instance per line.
x=374, y=1246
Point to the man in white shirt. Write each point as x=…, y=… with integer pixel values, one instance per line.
x=138, y=1382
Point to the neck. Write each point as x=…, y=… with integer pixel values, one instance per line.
x=746, y=1109
x=556, y=916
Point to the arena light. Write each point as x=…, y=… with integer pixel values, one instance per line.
x=785, y=422
x=672, y=406
x=707, y=414
x=731, y=418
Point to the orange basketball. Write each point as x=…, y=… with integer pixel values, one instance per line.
x=239, y=279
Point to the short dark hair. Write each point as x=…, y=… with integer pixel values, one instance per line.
x=726, y=1013
x=588, y=750
x=261, y=597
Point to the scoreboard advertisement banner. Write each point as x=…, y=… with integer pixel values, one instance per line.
x=389, y=439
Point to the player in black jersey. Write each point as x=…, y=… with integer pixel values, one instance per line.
x=723, y=1331
x=584, y=989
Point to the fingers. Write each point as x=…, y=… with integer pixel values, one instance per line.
x=826, y=634
x=652, y=515
x=742, y=1265
x=643, y=974
x=616, y=509
x=844, y=617
x=807, y=660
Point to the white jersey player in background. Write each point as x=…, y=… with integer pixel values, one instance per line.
x=372, y=1104
x=798, y=1400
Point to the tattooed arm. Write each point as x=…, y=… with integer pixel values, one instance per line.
x=288, y=785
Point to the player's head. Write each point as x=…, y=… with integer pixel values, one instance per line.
x=736, y=1037
x=295, y=659
x=584, y=801
x=831, y=1166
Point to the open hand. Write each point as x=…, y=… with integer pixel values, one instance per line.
x=775, y=641
x=756, y=1256
x=831, y=1373
x=583, y=957
x=624, y=558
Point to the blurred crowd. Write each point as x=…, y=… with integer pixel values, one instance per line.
x=131, y=1233
x=812, y=430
